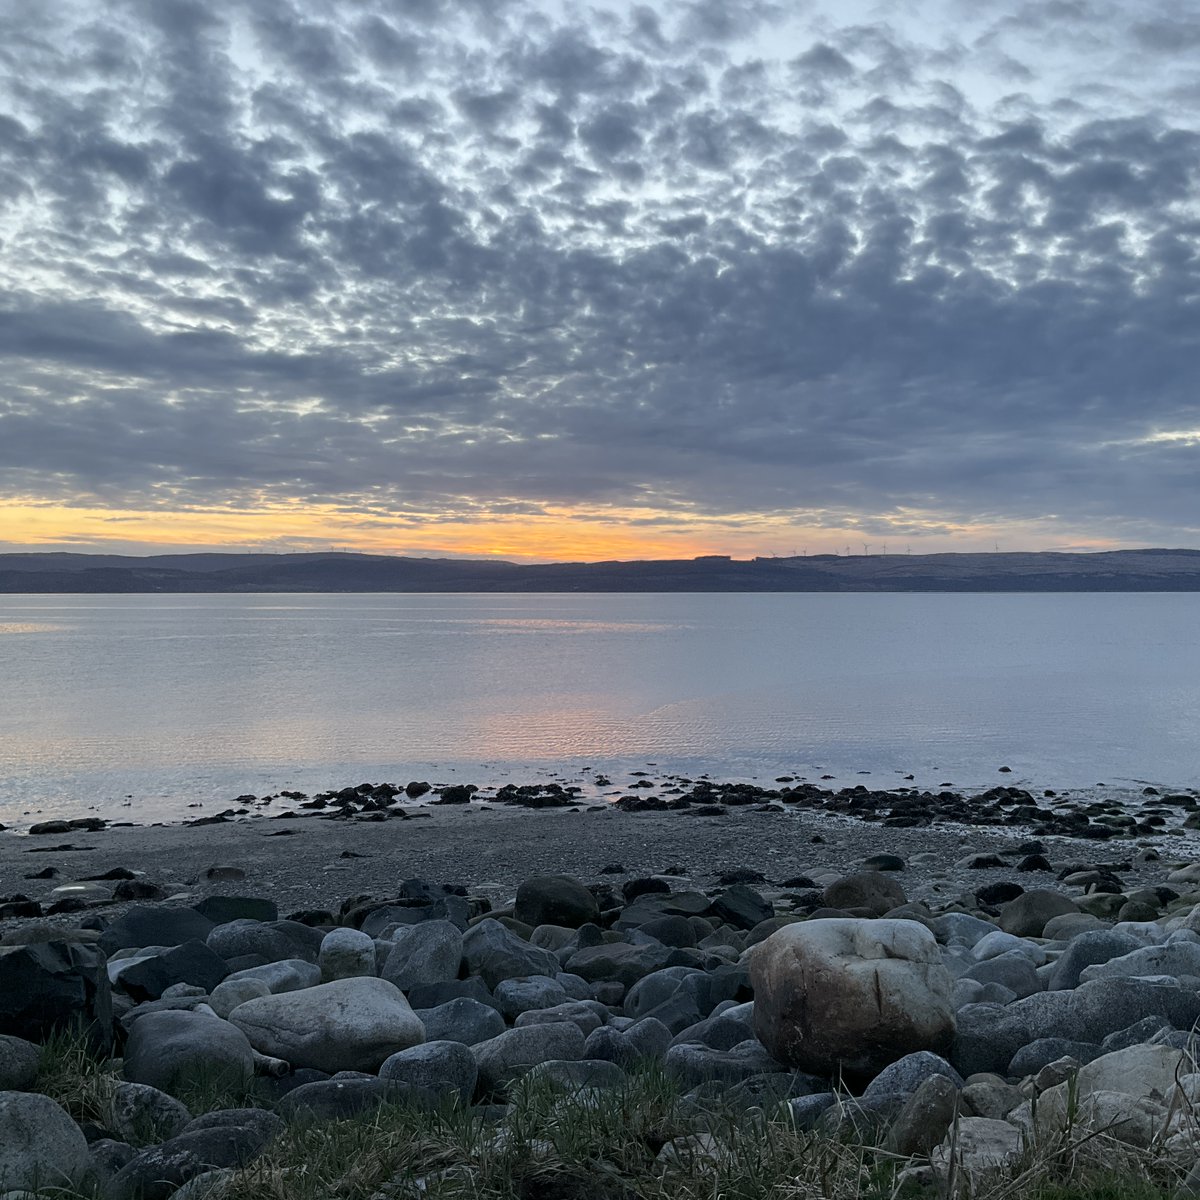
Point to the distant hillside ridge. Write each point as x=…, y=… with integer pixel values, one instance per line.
x=1154, y=570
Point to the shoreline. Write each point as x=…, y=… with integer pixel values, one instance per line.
x=311, y=860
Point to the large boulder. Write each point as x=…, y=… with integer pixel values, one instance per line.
x=424, y=954
x=146, y=978
x=461, y=1020
x=169, y=1049
x=40, y=1146
x=1174, y=960
x=988, y=1036
x=445, y=1068
x=619, y=962
x=274, y=940
x=159, y=1171
x=555, y=900
x=1085, y=950
x=872, y=890
x=505, y=1058
x=850, y=995
x=346, y=1025
x=494, y=953
x=48, y=986
x=154, y=925
x=1027, y=915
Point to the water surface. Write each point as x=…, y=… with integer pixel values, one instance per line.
x=170, y=700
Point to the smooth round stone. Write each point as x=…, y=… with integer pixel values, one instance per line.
x=346, y=954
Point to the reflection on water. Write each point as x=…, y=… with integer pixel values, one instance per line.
x=173, y=697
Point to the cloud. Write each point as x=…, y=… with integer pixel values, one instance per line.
x=728, y=260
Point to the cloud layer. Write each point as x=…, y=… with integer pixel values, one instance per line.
x=439, y=259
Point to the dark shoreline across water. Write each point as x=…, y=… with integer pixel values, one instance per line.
x=1149, y=570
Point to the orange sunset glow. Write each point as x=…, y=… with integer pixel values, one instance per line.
x=556, y=534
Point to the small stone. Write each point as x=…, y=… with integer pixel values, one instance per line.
x=19, y=1062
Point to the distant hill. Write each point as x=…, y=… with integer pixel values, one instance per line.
x=1108, y=571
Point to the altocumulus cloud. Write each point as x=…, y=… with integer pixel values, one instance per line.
x=724, y=259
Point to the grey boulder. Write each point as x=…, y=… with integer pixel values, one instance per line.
x=346, y=1025
x=141, y=1113
x=157, y=1172
x=461, y=1020
x=505, y=1058
x=167, y=1049
x=40, y=1146
x=495, y=953
x=441, y=1067
x=424, y=954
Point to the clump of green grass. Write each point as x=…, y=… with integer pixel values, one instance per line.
x=72, y=1073
x=608, y=1145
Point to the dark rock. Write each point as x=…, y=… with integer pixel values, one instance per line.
x=871, y=890
x=52, y=986
x=740, y=875
x=156, y=1173
x=555, y=900
x=108, y=1157
x=169, y=1049
x=741, y=907
x=671, y=931
x=878, y=862
x=1034, y=862
x=155, y=926
x=999, y=893
x=334, y=1099
x=220, y=910
x=1137, y=1034
x=988, y=1035
x=692, y=1064
x=437, y=994
x=494, y=953
x=192, y=962
x=633, y=888
x=1026, y=916
x=457, y=794
x=618, y=961
x=925, y=1118
x=1029, y=1060
x=907, y=1074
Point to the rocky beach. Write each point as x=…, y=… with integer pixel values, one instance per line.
x=966, y=990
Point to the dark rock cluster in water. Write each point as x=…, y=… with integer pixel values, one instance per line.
x=908, y=808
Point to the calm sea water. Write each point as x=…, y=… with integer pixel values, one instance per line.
x=139, y=705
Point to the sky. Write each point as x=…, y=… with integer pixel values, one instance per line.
x=607, y=280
